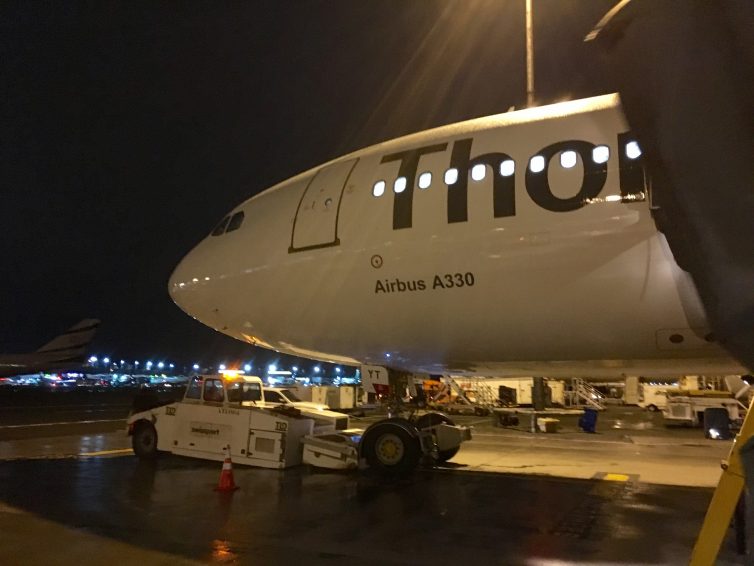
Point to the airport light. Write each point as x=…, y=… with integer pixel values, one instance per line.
x=92, y=359
x=316, y=369
x=123, y=362
x=221, y=367
x=337, y=370
x=136, y=363
x=247, y=368
x=529, y=55
x=295, y=368
x=196, y=367
x=160, y=365
x=172, y=366
x=105, y=361
x=272, y=367
x=149, y=365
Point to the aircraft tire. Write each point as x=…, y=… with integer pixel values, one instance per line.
x=433, y=419
x=144, y=441
x=391, y=447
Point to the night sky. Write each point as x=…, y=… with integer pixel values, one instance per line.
x=129, y=129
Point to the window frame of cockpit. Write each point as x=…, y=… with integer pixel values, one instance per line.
x=235, y=221
x=219, y=230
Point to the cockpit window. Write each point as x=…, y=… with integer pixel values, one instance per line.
x=235, y=221
x=220, y=228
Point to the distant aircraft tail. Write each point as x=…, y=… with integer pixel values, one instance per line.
x=72, y=344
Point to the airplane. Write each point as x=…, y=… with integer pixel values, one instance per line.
x=516, y=244
x=65, y=352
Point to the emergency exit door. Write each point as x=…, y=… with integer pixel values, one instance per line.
x=316, y=221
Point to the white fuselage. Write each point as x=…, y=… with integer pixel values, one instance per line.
x=559, y=272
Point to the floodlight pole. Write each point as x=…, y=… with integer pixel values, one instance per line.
x=529, y=57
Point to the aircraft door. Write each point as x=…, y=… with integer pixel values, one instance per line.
x=316, y=221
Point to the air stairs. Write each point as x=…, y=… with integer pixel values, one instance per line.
x=581, y=394
x=474, y=396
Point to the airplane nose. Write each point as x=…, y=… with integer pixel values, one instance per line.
x=189, y=286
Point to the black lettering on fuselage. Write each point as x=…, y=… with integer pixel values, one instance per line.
x=503, y=188
x=403, y=202
x=595, y=174
x=632, y=180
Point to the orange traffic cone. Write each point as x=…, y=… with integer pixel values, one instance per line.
x=226, y=482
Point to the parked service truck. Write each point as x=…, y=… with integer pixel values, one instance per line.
x=220, y=411
x=688, y=406
x=653, y=396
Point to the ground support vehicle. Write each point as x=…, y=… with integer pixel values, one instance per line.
x=448, y=396
x=687, y=407
x=654, y=397
x=217, y=412
x=321, y=413
x=393, y=445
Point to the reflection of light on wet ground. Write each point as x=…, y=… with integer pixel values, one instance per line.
x=89, y=444
x=619, y=424
x=555, y=562
x=221, y=552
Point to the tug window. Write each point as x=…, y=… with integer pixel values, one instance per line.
x=240, y=392
x=213, y=390
x=195, y=388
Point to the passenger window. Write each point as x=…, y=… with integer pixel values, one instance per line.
x=235, y=222
x=507, y=168
x=194, y=390
x=537, y=164
x=213, y=390
x=568, y=159
x=601, y=154
x=220, y=228
x=479, y=171
x=425, y=180
x=633, y=151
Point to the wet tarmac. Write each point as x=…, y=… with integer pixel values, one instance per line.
x=74, y=494
x=309, y=517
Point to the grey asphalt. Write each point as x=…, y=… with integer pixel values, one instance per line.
x=73, y=494
x=169, y=509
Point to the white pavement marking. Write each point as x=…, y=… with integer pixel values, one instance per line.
x=62, y=423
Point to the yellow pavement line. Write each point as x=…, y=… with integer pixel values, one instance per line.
x=122, y=451
x=615, y=477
